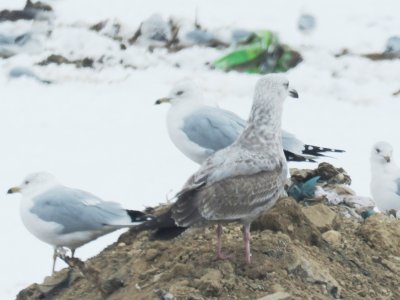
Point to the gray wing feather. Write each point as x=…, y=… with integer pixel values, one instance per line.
x=213, y=128
x=67, y=207
x=291, y=143
x=398, y=186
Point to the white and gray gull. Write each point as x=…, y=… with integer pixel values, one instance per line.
x=199, y=130
x=66, y=217
x=241, y=181
x=385, y=177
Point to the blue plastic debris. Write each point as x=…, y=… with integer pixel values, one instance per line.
x=306, y=190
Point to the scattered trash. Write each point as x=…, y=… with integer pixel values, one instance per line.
x=367, y=213
x=393, y=45
x=306, y=23
x=11, y=45
x=18, y=72
x=301, y=191
x=262, y=53
x=202, y=37
x=156, y=29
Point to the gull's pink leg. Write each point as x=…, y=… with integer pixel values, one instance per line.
x=219, y=243
x=246, y=240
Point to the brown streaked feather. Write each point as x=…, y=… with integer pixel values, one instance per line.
x=235, y=198
x=185, y=210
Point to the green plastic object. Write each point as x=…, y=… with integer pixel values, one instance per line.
x=262, y=53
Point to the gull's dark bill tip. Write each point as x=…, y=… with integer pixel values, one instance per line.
x=293, y=93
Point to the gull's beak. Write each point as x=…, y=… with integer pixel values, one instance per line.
x=293, y=93
x=15, y=189
x=387, y=158
x=163, y=100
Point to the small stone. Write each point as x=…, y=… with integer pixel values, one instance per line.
x=276, y=296
x=333, y=237
x=277, y=288
x=210, y=283
x=151, y=254
x=320, y=215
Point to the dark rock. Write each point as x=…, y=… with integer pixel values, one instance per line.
x=29, y=12
x=59, y=60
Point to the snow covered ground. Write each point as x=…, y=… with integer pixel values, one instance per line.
x=98, y=129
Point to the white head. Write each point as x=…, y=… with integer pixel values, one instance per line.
x=35, y=183
x=382, y=153
x=274, y=84
x=184, y=91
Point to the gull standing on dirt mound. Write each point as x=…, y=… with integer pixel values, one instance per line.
x=66, y=217
x=385, y=177
x=198, y=130
x=241, y=181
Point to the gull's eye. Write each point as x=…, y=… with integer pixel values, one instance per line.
x=286, y=84
x=26, y=182
x=378, y=150
x=179, y=93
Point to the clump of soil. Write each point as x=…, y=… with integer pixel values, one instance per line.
x=298, y=253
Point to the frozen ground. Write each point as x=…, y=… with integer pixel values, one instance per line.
x=99, y=130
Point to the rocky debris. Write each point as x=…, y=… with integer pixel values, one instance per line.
x=349, y=262
x=380, y=231
x=299, y=252
x=332, y=237
x=377, y=56
x=59, y=60
x=382, y=56
x=287, y=217
x=320, y=215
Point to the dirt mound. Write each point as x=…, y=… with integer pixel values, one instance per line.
x=299, y=252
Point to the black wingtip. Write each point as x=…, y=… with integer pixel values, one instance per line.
x=164, y=226
x=317, y=151
x=169, y=233
x=290, y=156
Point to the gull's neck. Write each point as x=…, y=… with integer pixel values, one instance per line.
x=378, y=168
x=264, y=125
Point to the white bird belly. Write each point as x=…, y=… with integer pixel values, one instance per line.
x=45, y=231
x=51, y=232
x=384, y=194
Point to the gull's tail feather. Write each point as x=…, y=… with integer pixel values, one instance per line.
x=164, y=225
x=317, y=151
x=290, y=156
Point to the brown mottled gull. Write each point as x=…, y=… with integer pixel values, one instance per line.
x=246, y=178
